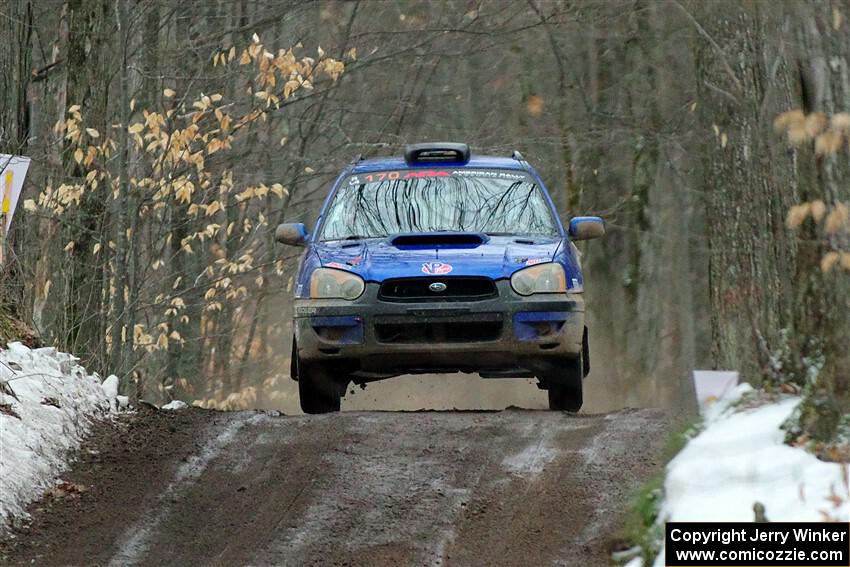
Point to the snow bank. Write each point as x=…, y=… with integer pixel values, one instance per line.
x=739, y=459
x=47, y=401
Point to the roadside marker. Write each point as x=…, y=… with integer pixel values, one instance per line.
x=13, y=170
x=711, y=385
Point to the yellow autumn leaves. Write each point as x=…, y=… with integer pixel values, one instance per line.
x=830, y=135
x=283, y=68
x=835, y=223
x=221, y=213
x=150, y=343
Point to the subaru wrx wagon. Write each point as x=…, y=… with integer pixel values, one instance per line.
x=439, y=262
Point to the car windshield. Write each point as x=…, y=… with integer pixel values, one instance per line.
x=382, y=203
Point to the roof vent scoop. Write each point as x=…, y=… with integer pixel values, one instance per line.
x=436, y=152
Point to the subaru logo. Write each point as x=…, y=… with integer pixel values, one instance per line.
x=437, y=287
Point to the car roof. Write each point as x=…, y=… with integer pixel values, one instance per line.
x=497, y=162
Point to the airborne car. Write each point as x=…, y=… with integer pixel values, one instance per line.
x=439, y=262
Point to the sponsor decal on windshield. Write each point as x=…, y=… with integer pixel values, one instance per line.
x=380, y=176
x=425, y=173
x=436, y=268
x=493, y=174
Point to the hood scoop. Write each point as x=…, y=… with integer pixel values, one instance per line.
x=442, y=239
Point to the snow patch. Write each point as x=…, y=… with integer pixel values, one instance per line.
x=47, y=402
x=740, y=458
x=534, y=457
x=175, y=405
x=110, y=389
x=541, y=450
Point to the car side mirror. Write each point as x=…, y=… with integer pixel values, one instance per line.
x=585, y=228
x=291, y=233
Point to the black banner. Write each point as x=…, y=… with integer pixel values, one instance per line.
x=745, y=544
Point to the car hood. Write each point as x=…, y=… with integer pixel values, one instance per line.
x=379, y=259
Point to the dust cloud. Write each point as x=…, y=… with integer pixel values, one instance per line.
x=446, y=392
x=451, y=392
x=462, y=392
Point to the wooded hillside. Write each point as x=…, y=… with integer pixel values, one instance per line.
x=169, y=137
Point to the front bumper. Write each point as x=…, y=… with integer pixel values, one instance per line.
x=505, y=334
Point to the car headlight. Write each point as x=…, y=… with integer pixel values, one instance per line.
x=542, y=278
x=327, y=283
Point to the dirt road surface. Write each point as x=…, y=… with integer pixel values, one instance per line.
x=197, y=487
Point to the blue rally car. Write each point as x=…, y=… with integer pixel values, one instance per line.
x=439, y=262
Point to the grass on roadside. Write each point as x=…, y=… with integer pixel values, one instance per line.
x=641, y=527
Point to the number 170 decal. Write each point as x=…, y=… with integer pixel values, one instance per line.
x=379, y=176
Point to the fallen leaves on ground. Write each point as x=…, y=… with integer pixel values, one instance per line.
x=67, y=489
x=7, y=409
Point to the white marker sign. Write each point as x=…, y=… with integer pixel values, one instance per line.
x=13, y=170
x=712, y=384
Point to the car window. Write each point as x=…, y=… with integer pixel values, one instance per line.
x=382, y=203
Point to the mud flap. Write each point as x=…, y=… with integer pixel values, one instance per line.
x=585, y=354
x=562, y=370
x=293, y=362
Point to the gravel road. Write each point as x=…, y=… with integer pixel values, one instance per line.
x=197, y=487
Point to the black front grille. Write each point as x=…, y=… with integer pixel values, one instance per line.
x=438, y=332
x=429, y=289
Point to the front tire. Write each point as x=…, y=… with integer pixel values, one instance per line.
x=317, y=390
x=565, y=387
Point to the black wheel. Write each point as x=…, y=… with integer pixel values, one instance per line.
x=317, y=390
x=565, y=387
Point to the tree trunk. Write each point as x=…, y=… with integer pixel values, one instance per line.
x=743, y=82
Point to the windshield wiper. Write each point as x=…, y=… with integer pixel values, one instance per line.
x=352, y=238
